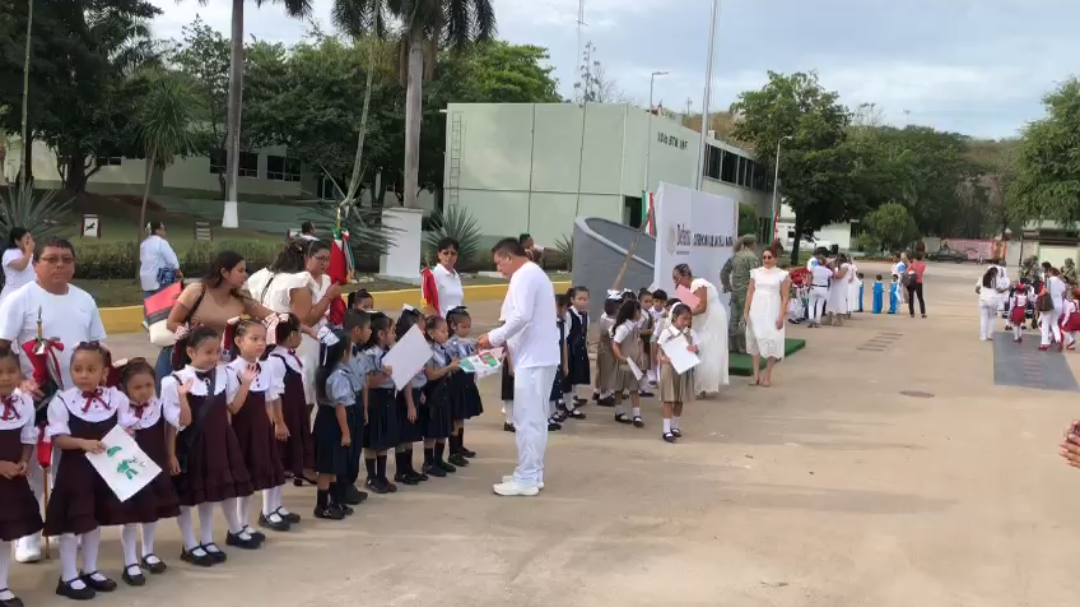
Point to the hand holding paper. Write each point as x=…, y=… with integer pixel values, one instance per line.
x=407, y=357
x=122, y=464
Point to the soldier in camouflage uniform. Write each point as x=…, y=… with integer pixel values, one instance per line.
x=1069, y=272
x=742, y=263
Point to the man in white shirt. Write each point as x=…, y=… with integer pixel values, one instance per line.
x=531, y=336
x=69, y=315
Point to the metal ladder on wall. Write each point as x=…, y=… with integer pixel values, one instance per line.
x=454, y=174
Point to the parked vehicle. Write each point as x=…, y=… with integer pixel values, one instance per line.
x=947, y=254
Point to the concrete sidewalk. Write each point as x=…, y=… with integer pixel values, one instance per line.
x=897, y=476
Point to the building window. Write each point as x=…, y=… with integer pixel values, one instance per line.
x=729, y=167
x=759, y=177
x=108, y=159
x=281, y=168
x=249, y=165
x=217, y=162
x=712, y=162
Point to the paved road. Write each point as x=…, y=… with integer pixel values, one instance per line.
x=831, y=489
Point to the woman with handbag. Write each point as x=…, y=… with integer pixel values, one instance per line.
x=158, y=265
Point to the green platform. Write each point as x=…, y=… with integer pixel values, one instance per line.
x=743, y=364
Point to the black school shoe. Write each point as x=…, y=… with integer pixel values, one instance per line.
x=372, y=484
x=133, y=579
x=199, y=560
x=466, y=452
x=155, y=566
x=508, y=427
x=676, y=432
x=669, y=437
x=234, y=539
x=346, y=510
x=14, y=601
x=102, y=585
x=623, y=418
x=554, y=426
x=352, y=494
x=575, y=414
x=276, y=525
x=329, y=513
x=406, y=478
x=65, y=590
x=434, y=470
x=607, y=401
x=458, y=460
x=446, y=467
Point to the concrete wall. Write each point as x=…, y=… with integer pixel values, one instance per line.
x=536, y=167
x=600, y=246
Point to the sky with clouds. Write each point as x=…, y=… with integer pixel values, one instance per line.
x=977, y=67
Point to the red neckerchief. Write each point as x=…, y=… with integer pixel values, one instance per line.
x=140, y=408
x=91, y=396
x=10, y=409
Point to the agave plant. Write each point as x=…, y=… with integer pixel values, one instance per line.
x=457, y=223
x=43, y=213
x=564, y=252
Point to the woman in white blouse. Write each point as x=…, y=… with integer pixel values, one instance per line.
x=297, y=284
x=18, y=261
x=447, y=280
x=158, y=265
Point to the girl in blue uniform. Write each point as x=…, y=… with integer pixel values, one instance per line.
x=381, y=427
x=464, y=394
x=408, y=412
x=338, y=384
x=438, y=413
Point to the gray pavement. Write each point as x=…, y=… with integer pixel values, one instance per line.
x=897, y=477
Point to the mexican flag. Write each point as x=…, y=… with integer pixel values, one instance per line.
x=648, y=213
x=340, y=271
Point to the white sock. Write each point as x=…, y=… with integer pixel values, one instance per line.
x=243, y=511
x=149, y=536
x=231, y=509
x=187, y=529
x=675, y=422
x=620, y=409
x=508, y=405
x=278, y=491
x=90, y=544
x=206, y=523
x=268, y=501
x=69, y=561
x=5, y=570
x=667, y=425
x=637, y=411
x=129, y=540
x=568, y=401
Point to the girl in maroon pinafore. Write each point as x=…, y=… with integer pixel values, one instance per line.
x=154, y=428
x=20, y=515
x=82, y=502
x=298, y=451
x=257, y=423
x=209, y=465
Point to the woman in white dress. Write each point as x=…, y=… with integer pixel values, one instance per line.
x=853, y=288
x=838, y=291
x=766, y=305
x=711, y=326
x=18, y=261
x=297, y=284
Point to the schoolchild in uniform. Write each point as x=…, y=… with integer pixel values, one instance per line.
x=625, y=346
x=438, y=409
x=209, y=467
x=1018, y=304
x=259, y=425
x=557, y=411
x=82, y=502
x=361, y=300
x=356, y=325
x=506, y=390
x=287, y=372
x=338, y=383
x=675, y=389
x=154, y=428
x=645, y=331
x=577, y=348
x=605, y=360
x=381, y=429
x=20, y=515
x=658, y=310
x=465, y=395
x=408, y=403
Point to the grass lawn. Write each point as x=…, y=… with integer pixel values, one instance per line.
x=124, y=292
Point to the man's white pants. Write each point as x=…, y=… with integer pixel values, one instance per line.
x=987, y=313
x=532, y=391
x=1048, y=322
x=818, y=297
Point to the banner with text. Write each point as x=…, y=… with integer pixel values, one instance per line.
x=695, y=228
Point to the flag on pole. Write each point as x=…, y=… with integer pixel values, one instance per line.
x=340, y=271
x=648, y=213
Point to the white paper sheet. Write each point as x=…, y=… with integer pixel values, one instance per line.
x=408, y=356
x=634, y=369
x=675, y=346
x=123, y=465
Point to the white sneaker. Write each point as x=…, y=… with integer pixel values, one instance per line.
x=28, y=549
x=509, y=478
x=514, y=489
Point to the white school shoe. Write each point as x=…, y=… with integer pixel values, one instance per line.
x=28, y=549
x=513, y=489
x=509, y=478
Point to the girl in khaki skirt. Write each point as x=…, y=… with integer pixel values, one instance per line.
x=675, y=389
x=605, y=360
x=625, y=347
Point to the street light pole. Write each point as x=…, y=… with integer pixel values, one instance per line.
x=648, y=136
x=700, y=168
x=775, y=184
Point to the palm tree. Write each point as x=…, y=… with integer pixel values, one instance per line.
x=164, y=126
x=426, y=26
x=24, y=172
x=294, y=8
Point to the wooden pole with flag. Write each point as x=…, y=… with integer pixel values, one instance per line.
x=633, y=249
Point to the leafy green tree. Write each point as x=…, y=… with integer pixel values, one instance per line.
x=1047, y=182
x=892, y=226
x=816, y=167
